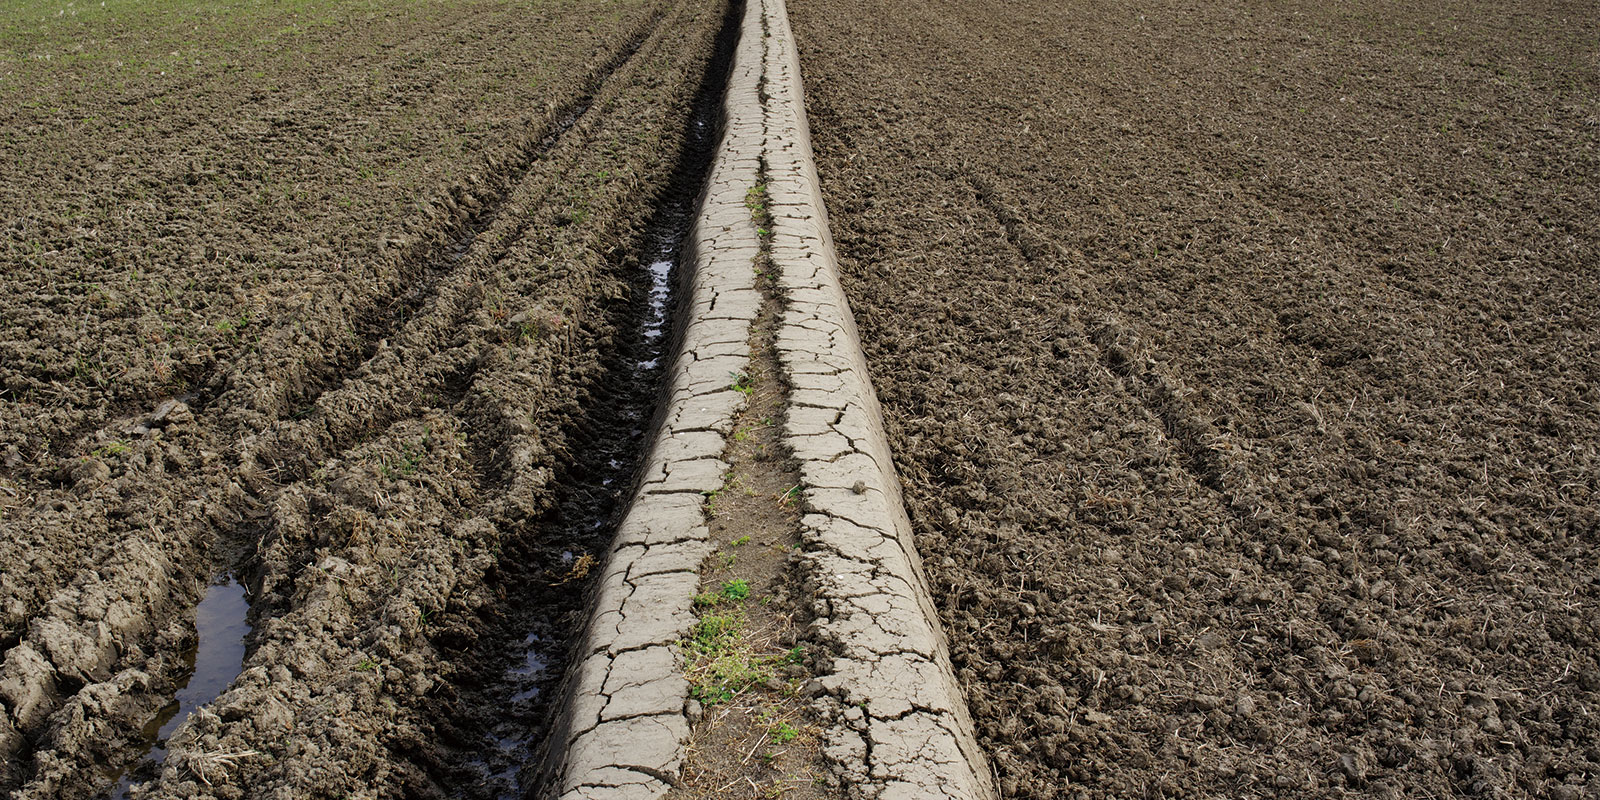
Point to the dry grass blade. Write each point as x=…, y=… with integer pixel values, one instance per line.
x=215, y=763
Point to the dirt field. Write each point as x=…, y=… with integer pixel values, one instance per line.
x=340, y=298
x=1241, y=361
x=1242, y=364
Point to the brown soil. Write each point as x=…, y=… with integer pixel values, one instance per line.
x=348, y=335
x=753, y=734
x=1243, y=370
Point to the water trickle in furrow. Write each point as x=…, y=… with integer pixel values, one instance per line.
x=596, y=491
x=217, y=657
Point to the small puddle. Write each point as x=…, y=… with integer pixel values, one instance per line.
x=212, y=664
x=522, y=684
x=660, y=292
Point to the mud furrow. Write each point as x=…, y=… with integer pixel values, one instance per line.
x=293, y=388
x=430, y=531
x=497, y=726
x=478, y=207
x=1203, y=448
x=37, y=692
x=446, y=291
x=249, y=156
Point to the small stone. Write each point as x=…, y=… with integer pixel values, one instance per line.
x=1245, y=706
x=172, y=412
x=694, y=711
x=860, y=487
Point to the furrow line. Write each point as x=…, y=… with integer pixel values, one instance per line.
x=622, y=731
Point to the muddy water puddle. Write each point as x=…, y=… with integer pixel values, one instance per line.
x=212, y=664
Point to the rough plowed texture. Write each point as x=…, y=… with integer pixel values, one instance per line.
x=343, y=333
x=1240, y=364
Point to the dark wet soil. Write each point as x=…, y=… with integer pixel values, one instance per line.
x=1242, y=367
x=394, y=292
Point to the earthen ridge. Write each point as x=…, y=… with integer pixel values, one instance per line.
x=897, y=726
x=901, y=728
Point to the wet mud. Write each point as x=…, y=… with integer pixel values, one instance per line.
x=500, y=721
x=217, y=656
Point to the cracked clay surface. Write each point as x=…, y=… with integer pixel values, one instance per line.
x=623, y=731
x=899, y=728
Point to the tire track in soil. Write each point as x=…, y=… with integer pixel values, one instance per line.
x=375, y=326
x=437, y=268
x=488, y=749
x=1164, y=397
x=237, y=384
x=270, y=124
x=427, y=268
x=446, y=260
x=502, y=515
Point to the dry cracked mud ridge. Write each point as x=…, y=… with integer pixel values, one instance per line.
x=901, y=726
x=1240, y=365
x=895, y=725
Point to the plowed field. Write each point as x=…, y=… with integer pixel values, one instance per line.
x=1242, y=365
x=342, y=300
